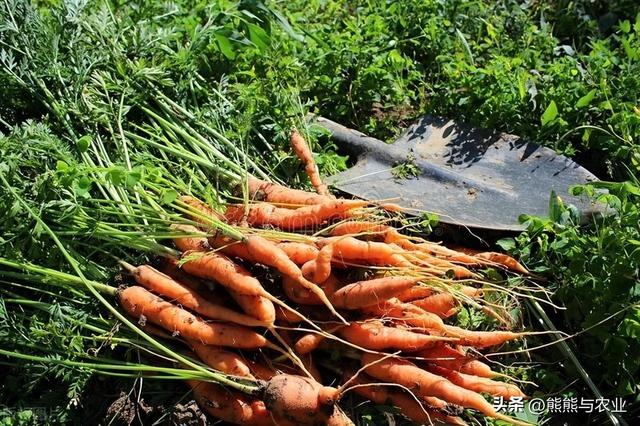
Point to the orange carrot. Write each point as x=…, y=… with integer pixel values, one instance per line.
x=415, y=293
x=257, y=307
x=261, y=214
x=423, y=383
x=351, y=227
x=171, y=267
x=269, y=254
x=367, y=293
x=410, y=314
x=229, y=405
x=196, y=243
x=477, y=384
x=445, y=253
x=349, y=250
x=261, y=371
x=299, y=399
x=375, y=336
x=459, y=272
x=434, y=402
x=407, y=405
x=230, y=247
x=310, y=365
x=302, y=296
x=441, y=304
x=453, y=359
x=200, y=207
x=219, y=268
x=444, y=304
x=477, y=368
x=319, y=268
x=221, y=360
x=501, y=259
x=299, y=253
x=164, y=285
x=303, y=152
x=310, y=342
x=260, y=190
x=286, y=316
x=145, y=306
x=482, y=339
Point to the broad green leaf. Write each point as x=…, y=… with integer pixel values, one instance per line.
x=169, y=196
x=586, y=99
x=549, y=114
x=259, y=37
x=225, y=46
x=506, y=244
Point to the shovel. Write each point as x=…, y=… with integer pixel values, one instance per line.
x=469, y=177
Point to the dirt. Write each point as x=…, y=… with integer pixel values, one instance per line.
x=115, y=403
x=127, y=411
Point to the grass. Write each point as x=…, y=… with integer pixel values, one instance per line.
x=563, y=73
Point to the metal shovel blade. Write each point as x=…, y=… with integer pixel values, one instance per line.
x=468, y=176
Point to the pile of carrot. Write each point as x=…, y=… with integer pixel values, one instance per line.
x=315, y=274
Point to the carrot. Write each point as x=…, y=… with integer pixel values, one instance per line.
x=171, y=267
x=269, y=254
x=444, y=304
x=477, y=384
x=319, y=269
x=310, y=342
x=434, y=402
x=446, y=253
x=228, y=405
x=482, y=339
x=145, y=306
x=299, y=253
x=221, y=360
x=198, y=243
x=441, y=304
x=408, y=406
x=424, y=383
x=203, y=210
x=310, y=365
x=410, y=314
x=273, y=193
x=261, y=371
x=352, y=227
x=375, y=336
x=477, y=368
x=303, y=152
x=261, y=214
x=219, y=268
x=230, y=247
x=166, y=286
x=459, y=272
x=300, y=399
x=302, y=296
x=367, y=293
x=287, y=316
x=503, y=260
x=453, y=359
x=349, y=249
x=257, y=307
x=414, y=293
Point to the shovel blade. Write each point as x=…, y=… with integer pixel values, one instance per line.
x=468, y=176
